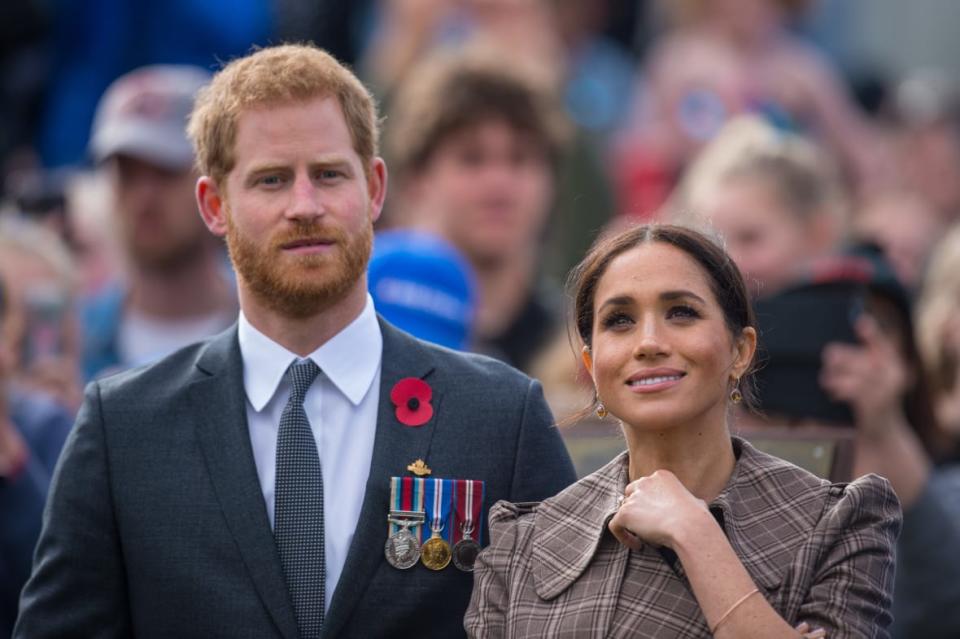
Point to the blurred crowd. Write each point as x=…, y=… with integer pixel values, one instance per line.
x=515, y=132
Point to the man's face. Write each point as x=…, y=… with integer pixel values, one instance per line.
x=299, y=209
x=488, y=189
x=156, y=211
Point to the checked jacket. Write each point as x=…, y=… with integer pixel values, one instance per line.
x=819, y=552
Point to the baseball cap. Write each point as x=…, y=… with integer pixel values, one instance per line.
x=144, y=114
x=422, y=285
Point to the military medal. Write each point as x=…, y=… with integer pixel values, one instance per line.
x=466, y=550
x=435, y=552
x=402, y=549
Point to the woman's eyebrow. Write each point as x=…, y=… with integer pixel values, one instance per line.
x=680, y=294
x=620, y=300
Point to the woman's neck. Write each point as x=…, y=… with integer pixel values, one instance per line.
x=700, y=456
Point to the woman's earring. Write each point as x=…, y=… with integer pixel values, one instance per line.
x=601, y=410
x=735, y=395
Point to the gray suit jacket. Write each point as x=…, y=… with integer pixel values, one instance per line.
x=156, y=524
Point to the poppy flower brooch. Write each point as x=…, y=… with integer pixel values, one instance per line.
x=411, y=396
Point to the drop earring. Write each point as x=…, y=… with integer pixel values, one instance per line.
x=601, y=410
x=735, y=395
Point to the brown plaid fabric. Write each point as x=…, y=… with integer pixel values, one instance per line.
x=819, y=552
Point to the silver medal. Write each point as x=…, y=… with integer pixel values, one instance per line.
x=402, y=549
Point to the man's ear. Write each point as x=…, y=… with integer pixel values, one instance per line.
x=377, y=187
x=746, y=348
x=212, y=205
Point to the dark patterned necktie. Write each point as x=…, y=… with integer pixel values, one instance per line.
x=298, y=507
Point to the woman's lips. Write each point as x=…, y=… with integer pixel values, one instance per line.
x=654, y=380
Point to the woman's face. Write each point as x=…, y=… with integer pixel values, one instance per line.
x=763, y=237
x=662, y=354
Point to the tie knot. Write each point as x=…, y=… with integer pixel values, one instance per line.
x=301, y=375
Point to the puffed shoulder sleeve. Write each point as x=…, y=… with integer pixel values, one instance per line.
x=852, y=585
x=510, y=526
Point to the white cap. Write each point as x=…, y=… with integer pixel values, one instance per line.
x=144, y=114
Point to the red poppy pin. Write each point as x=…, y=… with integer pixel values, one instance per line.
x=412, y=396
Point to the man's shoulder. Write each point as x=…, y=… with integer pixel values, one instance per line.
x=177, y=370
x=466, y=367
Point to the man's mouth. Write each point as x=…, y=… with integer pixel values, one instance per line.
x=308, y=245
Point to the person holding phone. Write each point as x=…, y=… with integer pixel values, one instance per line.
x=860, y=376
x=690, y=529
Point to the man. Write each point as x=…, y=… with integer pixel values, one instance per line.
x=177, y=290
x=219, y=494
x=477, y=145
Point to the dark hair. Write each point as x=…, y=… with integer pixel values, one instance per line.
x=453, y=92
x=724, y=278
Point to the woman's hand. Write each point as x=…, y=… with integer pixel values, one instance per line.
x=656, y=509
x=816, y=633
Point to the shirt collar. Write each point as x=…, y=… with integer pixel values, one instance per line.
x=350, y=359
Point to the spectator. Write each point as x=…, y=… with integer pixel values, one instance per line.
x=176, y=290
x=42, y=329
x=905, y=226
x=32, y=431
x=938, y=331
x=772, y=197
x=722, y=58
x=877, y=379
x=475, y=144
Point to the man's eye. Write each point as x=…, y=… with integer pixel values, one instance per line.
x=329, y=174
x=270, y=180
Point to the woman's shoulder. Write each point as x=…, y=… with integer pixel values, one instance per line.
x=869, y=498
x=782, y=482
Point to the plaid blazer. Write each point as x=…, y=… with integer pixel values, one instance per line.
x=819, y=552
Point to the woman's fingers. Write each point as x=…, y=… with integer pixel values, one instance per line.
x=622, y=533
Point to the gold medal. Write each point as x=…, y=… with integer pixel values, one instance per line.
x=435, y=553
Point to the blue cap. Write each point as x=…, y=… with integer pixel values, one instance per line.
x=422, y=285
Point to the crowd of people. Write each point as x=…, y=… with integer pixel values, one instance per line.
x=527, y=145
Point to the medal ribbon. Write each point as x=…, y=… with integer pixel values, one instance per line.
x=406, y=493
x=469, y=504
x=437, y=500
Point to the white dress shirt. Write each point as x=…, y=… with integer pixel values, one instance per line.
x=342, y=408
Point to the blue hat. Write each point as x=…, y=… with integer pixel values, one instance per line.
x=424, y=286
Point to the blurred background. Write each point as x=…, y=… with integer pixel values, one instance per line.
x=819, y=141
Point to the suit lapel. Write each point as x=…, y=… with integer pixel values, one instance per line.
x=219, y=399
x=395, y=446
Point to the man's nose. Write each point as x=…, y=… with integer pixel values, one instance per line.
x=305, y=201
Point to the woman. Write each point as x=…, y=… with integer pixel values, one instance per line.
x=707, y=536
x=775, y=198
